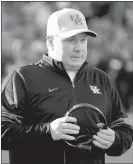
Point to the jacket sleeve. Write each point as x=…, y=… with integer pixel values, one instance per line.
x=13, y=100
x=120, y=123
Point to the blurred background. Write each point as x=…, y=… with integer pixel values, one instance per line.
x=23, y=41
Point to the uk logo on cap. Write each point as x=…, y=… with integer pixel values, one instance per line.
x=76, y=19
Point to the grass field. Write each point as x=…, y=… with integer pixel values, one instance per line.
x=126, y=158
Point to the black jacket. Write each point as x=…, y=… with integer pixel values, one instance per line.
x=36, y=94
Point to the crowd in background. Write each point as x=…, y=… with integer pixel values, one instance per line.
x=24, y=37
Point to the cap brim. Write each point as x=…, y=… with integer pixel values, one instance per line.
x=71, y=33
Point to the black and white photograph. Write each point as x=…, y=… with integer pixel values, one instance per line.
x=66, y=82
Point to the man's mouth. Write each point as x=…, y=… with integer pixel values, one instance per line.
x=76, y=57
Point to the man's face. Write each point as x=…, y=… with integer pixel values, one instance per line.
x=72, y=51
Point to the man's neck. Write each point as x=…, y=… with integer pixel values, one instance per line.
x=71, y=74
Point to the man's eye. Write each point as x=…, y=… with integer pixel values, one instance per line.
x=72, y=40
x=83, y=40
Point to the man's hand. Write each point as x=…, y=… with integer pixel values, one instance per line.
x=62, y=127
x=104, y=138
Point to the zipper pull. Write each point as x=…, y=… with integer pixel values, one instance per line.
x=73, y=85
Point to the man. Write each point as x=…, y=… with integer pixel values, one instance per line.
x=36, y=97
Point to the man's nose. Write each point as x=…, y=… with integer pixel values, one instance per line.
x=77, y=47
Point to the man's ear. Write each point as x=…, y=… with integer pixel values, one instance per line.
x=50, y=43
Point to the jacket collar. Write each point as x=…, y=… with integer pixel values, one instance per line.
x=57, y=66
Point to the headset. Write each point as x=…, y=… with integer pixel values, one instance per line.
x=88, y=116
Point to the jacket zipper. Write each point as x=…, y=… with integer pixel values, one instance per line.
x=73, y=87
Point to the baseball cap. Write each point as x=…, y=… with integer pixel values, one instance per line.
x=66, y=23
